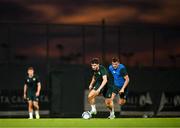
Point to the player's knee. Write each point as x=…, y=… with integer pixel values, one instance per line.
x=122, y=101
x=91, y=96
x=113, y=96
x=36, y=107
x=30, y=104
x=108, y=102
x=35, y=104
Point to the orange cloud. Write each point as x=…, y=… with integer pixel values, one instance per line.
x=96, y=14
x=36, y=51
x=166, y=12
x=86, y=15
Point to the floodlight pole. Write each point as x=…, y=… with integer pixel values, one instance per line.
x=103, y=43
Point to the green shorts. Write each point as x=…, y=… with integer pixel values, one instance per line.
x=116, y=90
x=31, y=96
x=106, y=91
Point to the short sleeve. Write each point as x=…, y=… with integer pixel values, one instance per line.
x=37, y=79
x=103, y=71
x=124, y=72
x=25, y=81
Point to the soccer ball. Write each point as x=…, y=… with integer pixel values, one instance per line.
x=86, y=115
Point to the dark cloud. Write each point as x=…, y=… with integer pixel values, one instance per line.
x=12, y=11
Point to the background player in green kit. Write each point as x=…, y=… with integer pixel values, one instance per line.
x=32, y=88
x=99, y=85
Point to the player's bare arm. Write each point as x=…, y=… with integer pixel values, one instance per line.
x=126, y=77
x=102, y=84
x=25, y=91
x=92, y=83
x=38, y=89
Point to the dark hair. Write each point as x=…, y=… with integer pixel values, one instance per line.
x=95, y=61
x=115, y=59
x=30, y=68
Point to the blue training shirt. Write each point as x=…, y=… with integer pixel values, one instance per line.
x=118, y=74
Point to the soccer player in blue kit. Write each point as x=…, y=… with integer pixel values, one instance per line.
x=120, y=80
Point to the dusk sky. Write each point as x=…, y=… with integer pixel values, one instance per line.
x=91, y=11
x=162, y=13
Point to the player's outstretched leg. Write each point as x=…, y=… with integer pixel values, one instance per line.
x=110, y=105
x=91, y=99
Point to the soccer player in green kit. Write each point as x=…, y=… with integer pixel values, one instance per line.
x=32, y=88
x=99, y=85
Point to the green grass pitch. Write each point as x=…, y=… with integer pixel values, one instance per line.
x=92, y=123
